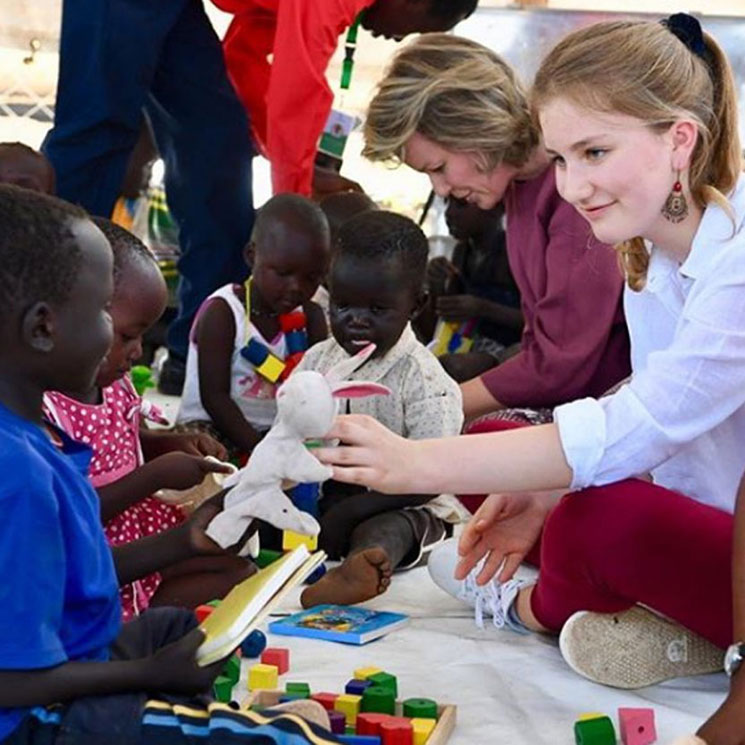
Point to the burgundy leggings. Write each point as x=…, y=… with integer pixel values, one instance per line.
x=606, y=548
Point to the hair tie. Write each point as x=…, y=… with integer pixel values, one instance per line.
x=689, y=31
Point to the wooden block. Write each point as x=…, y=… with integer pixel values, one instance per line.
x=301, y=690
x=597, y=731
x=223, y=689
x=386, y=680
x=327, y=700
x=338, y=722
x=203, y=611
x=254, y=644
x=363, y=673
x=359, y=739
x=271, y=368
x=637, y=726
x=590, y=715
x=397, y=731
x=368, y=722
x=420, y=708
x=357, y=687
x=262, y=677
x=277, y=656
x=232, y=668
x=446, y=714
x=379, y=699
x=423, y=728
x=349, y=705
x=292, y=540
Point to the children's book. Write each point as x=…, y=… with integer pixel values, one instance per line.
x=248, y=603
x=340, y=623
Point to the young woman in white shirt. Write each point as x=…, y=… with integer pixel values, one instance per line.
x=641, y=120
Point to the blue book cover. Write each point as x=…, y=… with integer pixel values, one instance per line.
x=339, y=623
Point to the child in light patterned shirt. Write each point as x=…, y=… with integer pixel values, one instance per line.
x=376, y=287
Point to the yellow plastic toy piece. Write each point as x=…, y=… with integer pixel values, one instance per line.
x=443, y=335
x=271, y=368
x=422, y=729
x=262, y=676
x=363, y=673
x=349, y=705
x=589, y=715
x=292, y=540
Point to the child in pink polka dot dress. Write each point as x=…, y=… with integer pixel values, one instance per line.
x=109, y=419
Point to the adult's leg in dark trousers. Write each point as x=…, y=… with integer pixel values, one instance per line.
x=202, y=133
x=109, y=53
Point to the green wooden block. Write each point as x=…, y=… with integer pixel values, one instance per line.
x=214, y=603
x=223, y=689
x=378, y=699
x=301, y=690
x=266, y=557
x=597, y=731
x=386, y=680
x=420, y=708
x=232, y=669
x=350, y=730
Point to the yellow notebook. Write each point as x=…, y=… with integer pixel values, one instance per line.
x=248, y=603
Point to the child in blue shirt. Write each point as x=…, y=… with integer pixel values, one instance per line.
x=60, y=633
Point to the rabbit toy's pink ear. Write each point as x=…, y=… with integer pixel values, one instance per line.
x=359, y=389
x=342, y=370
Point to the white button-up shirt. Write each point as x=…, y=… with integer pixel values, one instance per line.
x=682, y=415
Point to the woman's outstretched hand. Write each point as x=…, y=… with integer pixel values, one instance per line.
x=371, y=455
x=503, y=529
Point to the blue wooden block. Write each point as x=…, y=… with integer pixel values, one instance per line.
x=305, y=497
x=296, y=341
x=357, y=687
x=359, y=739
x=254, y=644
x=316, y=574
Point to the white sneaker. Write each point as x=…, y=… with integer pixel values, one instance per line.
x=493, y=599
x=634, y=648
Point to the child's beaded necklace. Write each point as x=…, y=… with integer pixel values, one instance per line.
x=265, y=362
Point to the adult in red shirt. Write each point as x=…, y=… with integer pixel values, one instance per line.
x=288, y=98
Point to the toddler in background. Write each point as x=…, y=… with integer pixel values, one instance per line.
x=23, y=166
x=107, y=417
x=225, y=393
x=339, y=208
x=477, y=285
x=376, y=288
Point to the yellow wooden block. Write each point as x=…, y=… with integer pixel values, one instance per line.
x=262, y=677
x=271, y=368
x=292, y=540
x=363, y=673
x=349, y=705
x=422, y=729
x=589, y=715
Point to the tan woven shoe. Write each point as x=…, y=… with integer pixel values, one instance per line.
x=634, y=648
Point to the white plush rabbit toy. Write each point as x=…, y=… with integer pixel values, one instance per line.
x=306, y=406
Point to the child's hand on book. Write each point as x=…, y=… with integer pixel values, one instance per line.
x=174, y=669
x=182, y=471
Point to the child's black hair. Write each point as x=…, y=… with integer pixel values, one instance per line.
x=290, y=209
x=381, y=236
x=39, y=256
x=452, y=10
x=125, y=246
x=342, y=206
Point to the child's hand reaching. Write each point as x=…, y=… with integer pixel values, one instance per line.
x=156, y=443
x=182, y=471
x=174, y=668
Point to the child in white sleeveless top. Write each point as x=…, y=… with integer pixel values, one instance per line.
x=237, y=344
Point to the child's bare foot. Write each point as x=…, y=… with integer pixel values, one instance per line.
x=361, y=576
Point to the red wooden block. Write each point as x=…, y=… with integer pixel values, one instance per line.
x=368, y=722
x=277, y=656
x=637, y=726
x=327, y=700
x=203, y=611
x=397, y=731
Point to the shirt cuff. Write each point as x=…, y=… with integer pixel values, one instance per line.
x=582, y=433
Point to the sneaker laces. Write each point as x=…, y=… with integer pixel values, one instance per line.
x=494, y=598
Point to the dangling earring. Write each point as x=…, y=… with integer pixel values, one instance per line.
x=675, y=208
